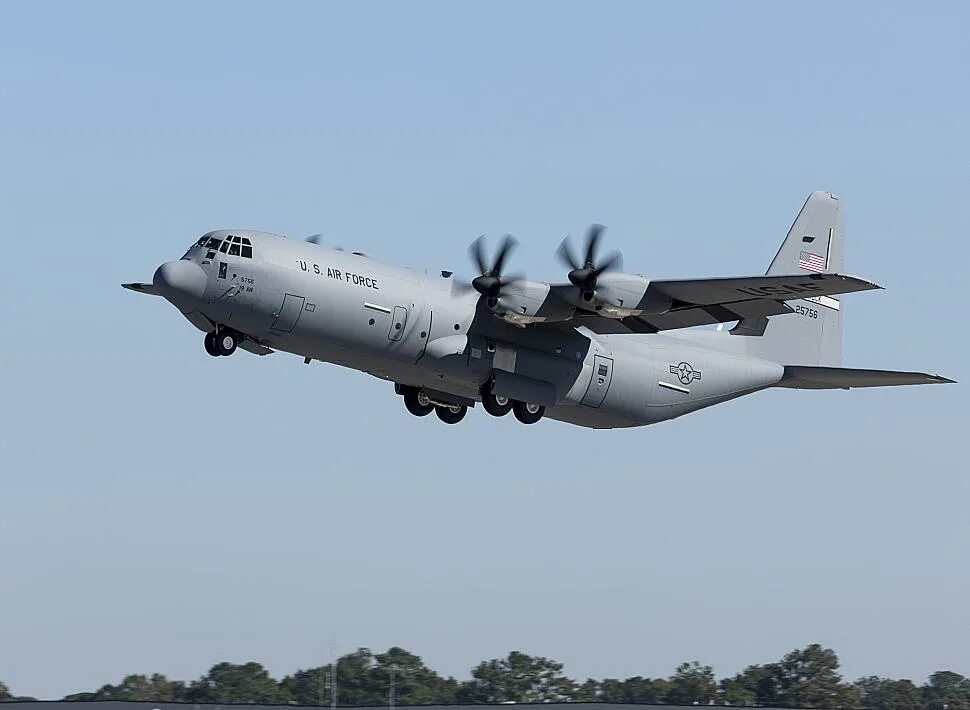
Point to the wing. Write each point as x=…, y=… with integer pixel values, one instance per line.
x=686, y=303
x=750, y=288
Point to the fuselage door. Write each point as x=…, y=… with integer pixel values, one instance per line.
x=288, y=313
x=599, y=383
x=398, y=321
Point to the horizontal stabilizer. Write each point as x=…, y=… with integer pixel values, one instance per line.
x=842, y=378
x=142, y=288
x=745, y=288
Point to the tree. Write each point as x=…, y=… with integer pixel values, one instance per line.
x=887, y=694
x=5, y=693
x=755, y=685
x=357, y=683
x=692, y=684
x=414, y=682
x=519, y=678
x=637, y=689
x=947, y=690
x=231, y=683
x=307, y=687
x=809, y=678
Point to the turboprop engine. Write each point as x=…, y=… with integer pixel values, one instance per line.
x=514, y=299
x=603, y=287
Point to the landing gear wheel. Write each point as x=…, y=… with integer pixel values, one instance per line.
x=417, y=402
x=496, y=404
x=210, y=344
x=528, y=413
x=225, y=343
x=452, y=414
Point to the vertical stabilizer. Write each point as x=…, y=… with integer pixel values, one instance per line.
x=812, y=335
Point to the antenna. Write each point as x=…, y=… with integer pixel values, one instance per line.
x=333, y=676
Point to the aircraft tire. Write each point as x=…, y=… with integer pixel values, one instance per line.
x=416, y=404
x=225, y=343
x=451, y=415
x=496, y=405
x=210, y=344
x=528, y=413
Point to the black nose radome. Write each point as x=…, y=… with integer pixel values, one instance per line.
x=181, y=282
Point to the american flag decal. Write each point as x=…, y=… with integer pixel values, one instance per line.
x=811, y=262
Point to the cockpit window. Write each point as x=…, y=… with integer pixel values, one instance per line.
x=201, y=242
x=213, y=243
x=237, y=246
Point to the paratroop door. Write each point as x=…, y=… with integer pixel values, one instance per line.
x=288, y=313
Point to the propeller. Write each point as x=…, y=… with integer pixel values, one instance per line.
x=317, y=238
x=583, y=275
x=490, y=283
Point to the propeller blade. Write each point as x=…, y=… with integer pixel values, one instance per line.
x=505, y=248
x=593, y=235
x=565, y=254
x=477, y=251
x=613, y=261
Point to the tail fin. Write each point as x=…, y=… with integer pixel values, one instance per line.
x=813, y=334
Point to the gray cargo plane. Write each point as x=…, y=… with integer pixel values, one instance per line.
x=606, y=349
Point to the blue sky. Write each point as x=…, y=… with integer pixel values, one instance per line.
x=161, y=510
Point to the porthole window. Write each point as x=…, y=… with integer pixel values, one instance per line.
x=371, y=321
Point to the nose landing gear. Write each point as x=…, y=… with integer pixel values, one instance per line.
x=221, y=342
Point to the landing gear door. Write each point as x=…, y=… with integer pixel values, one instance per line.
x=599, y=383
x=288, y=313
x=398, y=321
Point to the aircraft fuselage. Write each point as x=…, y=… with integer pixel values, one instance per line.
x=426, y=332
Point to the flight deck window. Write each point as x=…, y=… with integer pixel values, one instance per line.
x=225, y=247
x=213, y=243
x=247, y=252
x=201, y=241
x=234, y=249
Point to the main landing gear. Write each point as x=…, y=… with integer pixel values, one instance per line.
x=451, y=414
x=528, y=413
x=221, y=342
x=420, y=404
x=498, y=406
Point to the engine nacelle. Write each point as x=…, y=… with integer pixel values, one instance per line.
x=620, y=295
x=523, y=302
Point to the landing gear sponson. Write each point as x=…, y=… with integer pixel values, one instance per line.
x=421, y=403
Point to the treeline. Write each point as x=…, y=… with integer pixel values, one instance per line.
x=804, y=678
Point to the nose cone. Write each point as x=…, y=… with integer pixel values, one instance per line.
x=181, y=282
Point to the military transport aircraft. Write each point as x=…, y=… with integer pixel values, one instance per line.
x=604, y=349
